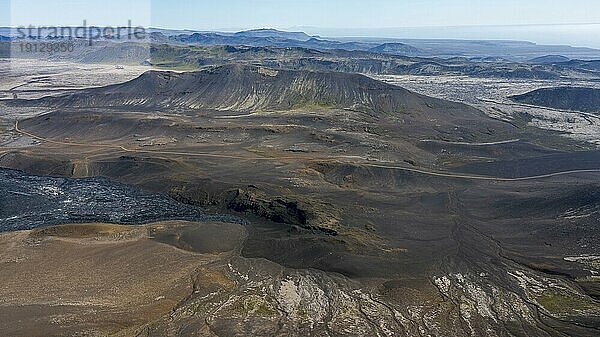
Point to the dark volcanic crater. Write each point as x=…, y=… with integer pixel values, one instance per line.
x=28, y=202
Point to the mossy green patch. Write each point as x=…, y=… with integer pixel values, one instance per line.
x=259, y=306
x=566, y=303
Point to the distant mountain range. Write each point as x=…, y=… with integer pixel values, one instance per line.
x=300, y=36
x=268, y=38
x=510, y=50
x=378, y=60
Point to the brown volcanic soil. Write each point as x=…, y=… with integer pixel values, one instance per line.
x=97, y=279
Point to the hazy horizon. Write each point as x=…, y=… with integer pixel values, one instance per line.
x=538, y=21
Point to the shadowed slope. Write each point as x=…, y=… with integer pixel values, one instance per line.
x=564, y=98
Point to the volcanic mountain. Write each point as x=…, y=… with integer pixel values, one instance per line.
x=396, y=49
x=564, y=98
x=550, y=59
x=253, y=88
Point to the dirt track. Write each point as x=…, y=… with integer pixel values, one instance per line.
x=338, y=159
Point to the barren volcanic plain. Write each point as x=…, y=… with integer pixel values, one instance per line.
x=278, y=202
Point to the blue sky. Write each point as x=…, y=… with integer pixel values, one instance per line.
x=372, y=13
x=338, y=17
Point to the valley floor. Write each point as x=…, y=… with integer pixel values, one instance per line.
x=491, y=95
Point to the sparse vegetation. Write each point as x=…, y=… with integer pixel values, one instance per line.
x=563, y=302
